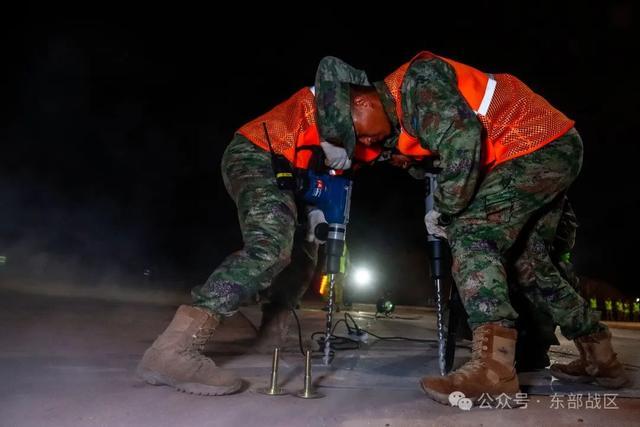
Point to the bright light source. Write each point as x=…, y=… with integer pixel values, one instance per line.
x=362, y=276
x=637, y=299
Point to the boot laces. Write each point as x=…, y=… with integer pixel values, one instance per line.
x=201, y=337
x=478, y=347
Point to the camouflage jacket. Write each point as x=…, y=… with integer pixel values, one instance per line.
x=435, y=112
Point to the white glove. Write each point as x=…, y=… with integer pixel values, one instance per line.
x=336, y=157
x=315, y=217
x=431, y=222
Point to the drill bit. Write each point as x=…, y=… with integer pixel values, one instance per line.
x=327, y=335
x=440, y=320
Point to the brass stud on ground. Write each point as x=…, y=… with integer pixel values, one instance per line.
x=308, y=392
x=274, y=389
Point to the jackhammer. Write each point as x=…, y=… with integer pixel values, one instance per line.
x=331, y=193
x=440, y=266
x=435, y=246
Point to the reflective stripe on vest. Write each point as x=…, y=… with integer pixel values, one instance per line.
x=516, y=120
x=476, y=87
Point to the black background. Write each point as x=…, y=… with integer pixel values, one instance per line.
x=114, y=121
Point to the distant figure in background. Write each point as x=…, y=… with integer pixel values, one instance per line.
x=608, y=309
x=627, y=311
x=619, y=310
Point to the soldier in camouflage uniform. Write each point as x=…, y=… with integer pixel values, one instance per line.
x=267, y=214
x=506, y=165
x=536, y=328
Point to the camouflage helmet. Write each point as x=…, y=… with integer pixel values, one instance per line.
x=333, y=101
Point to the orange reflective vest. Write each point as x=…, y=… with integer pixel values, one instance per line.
x=293, y=131
x=291, y=126
x=515, y=119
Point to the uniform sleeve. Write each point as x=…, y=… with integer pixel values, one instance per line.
x=436, y=113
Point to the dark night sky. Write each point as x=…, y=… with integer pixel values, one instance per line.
x=113, y=126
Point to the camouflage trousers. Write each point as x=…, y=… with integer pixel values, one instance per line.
x=275, y=258
x=509, y=228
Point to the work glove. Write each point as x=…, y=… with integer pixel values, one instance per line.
x=315, y=217
x=433, y=226
x=335, y=157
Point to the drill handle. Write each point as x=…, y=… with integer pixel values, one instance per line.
x=335, y=247
x=430, y=184
x=435, y=245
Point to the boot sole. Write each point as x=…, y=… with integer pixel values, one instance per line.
x=572, y=378
x=444, y=398
x=438, y=397
x=157, y=379
x=612, y=383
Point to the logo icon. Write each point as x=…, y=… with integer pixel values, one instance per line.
x=457, y=398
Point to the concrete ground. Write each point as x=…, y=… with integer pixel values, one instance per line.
x=70, y=362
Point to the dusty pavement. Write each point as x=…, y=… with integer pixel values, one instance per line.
x=70, y=362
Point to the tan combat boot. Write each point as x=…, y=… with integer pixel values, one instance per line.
x=490, y=370
x=574, y=371
x=274, y=328
x=597, y=363
x=176, y=358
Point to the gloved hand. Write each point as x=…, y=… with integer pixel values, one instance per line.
x=336, y=157
x=314, y=217
x=433, y=227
